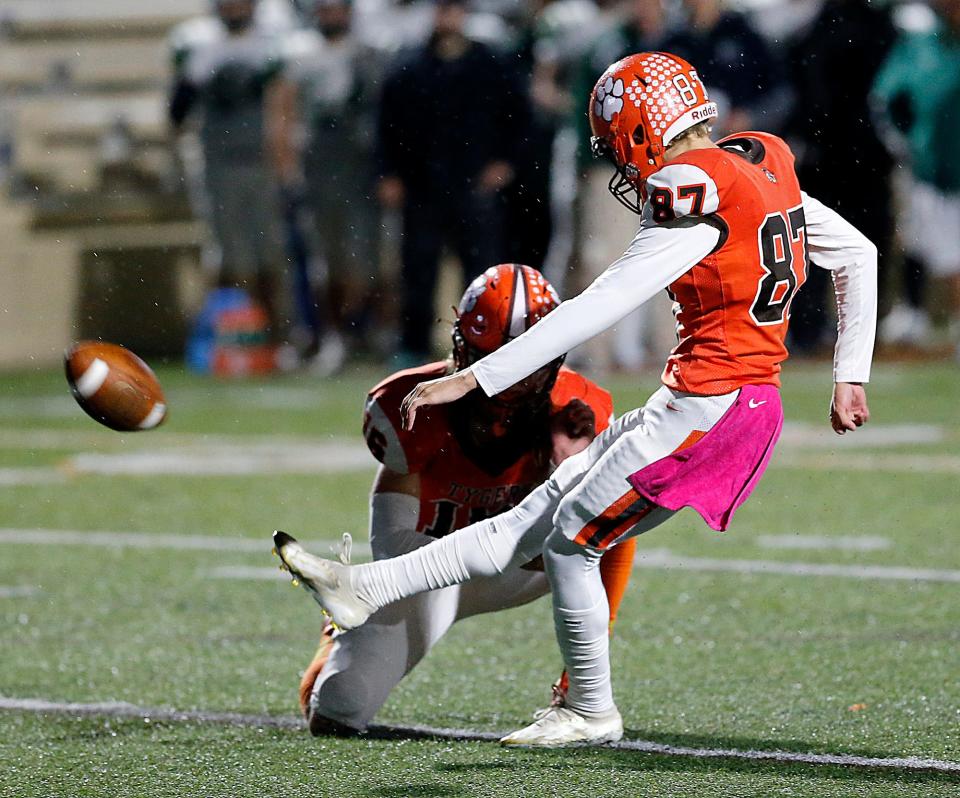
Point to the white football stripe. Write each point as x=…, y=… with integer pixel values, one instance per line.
x=93, y=378
x=518, y=313
x=122, y=709
x=154, y=417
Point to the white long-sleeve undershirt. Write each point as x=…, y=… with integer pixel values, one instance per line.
x=658, y=255
x=836, y=245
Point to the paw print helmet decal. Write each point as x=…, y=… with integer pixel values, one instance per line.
x=638, y=107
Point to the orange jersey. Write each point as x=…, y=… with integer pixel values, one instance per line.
x=461, y=483
x=733, y=307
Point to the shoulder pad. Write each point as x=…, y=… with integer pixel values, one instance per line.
x=382, y=431
x=187, y=36
x=406, y=452
x=756, y=146
x=689, y=186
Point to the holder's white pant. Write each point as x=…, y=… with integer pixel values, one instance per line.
x=366, y=663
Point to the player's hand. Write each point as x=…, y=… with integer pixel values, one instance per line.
x=495, y=176
x=571, y=430
x=436, y=392
x=848, y=409
x=391, y=192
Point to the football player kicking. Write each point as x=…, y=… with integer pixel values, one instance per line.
x=725, y=228
x=471, y=460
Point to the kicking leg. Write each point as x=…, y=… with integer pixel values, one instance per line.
x=487, y=548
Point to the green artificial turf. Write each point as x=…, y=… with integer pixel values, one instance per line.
x=713, y=660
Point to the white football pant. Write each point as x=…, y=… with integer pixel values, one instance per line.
x=586, y=506
x=366, y=663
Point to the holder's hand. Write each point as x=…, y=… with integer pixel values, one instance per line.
x=436, y=392
x=571, y=430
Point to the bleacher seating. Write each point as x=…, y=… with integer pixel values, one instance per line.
x=69, y=70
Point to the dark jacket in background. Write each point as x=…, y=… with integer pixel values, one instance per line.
x=441, y=122
x=733, y=59
x=841, y=161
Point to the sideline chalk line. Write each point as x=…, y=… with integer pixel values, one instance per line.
x=120, y=709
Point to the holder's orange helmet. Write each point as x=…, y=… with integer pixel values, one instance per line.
x=497, y=306
x=638, y=107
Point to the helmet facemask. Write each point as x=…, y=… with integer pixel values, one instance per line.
x=625, y=183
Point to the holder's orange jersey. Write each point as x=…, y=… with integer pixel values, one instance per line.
x=733, y=307
x=461, y=483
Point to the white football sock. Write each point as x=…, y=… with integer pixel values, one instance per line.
x=482, y=549
x=581, y=616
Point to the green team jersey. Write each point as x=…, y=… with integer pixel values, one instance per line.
x=917, y=90
x=230, y=75
x=336, y=90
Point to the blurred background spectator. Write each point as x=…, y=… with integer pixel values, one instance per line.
x=742, y=76
x=451, y=130
x=322, y=123
x=917, y=94
x=447, y=147
x=225, y=66
x=840, y=160
x=606, y=227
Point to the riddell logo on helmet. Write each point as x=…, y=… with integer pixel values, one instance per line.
x=705, y=112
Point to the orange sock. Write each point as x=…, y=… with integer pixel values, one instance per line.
x=313, y=669
x=615, y=569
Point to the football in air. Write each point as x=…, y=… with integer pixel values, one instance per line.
x=114, y=386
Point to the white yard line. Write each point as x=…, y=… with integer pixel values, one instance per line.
x=17, y=591
x=153, y=540
x=239, y=458
x=118, y=709
x=97, y=437
x=796, y=435
x=338, y=458
x=132, y=540
x=858, y=461
x=34, y=475
x=822, y=542
x=802, y=435
x=662, y=558
x=657, y=559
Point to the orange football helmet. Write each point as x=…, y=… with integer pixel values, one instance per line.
x=638, y=107
x=499, y=305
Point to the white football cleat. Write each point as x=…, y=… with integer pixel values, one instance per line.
x=559, y=727
x=327, y=581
